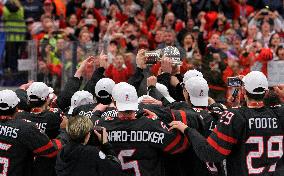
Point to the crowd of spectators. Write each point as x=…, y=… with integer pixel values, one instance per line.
x=221, y=38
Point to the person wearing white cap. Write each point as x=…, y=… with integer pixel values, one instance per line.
x=125, y=97
x=38, y=93
x=157, y=92
x=165, y=92
x=190, y=74
x=80, y=98
x=103, y=90
x=48, y=120
x=246, y=136
x=103, y=94
x=20, y=141
x=197, y=89
x=140, y=139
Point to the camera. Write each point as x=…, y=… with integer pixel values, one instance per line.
x=234, y=82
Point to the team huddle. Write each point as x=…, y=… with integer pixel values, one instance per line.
x=107, y=129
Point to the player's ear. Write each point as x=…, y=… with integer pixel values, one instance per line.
x=114, y=102
x=245, y=94
x=186, y=95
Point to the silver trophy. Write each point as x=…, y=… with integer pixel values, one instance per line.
x=156, y=55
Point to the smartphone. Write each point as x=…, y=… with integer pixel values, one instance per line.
x=235, y=94
x=234, y=82
x=88, y=21
x=264, y=13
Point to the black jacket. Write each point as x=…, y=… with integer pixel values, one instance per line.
x=77, y=159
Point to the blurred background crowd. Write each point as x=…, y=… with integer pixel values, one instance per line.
x=220, y=38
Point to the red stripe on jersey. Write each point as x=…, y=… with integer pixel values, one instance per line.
x=225, y=137
x=173, y=143
x=52, y=154
x=183, y=116
x=58, y=143
x=183, y=147
x=43, y=148
x=218, y=147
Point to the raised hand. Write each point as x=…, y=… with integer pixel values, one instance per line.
x=141, y=59
x=166, y=65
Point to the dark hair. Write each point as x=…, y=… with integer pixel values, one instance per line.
x=127, y=111
x=271, y=98
x=38, y=103
x=186, y=34
x=270, y=39
x=8, y=112
x=278, y=49
x=105, y=101
x=257, y=97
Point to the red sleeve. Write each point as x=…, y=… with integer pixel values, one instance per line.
x=121, y=17
x=155, y=68
x=227, y=73
x=129, y=68
x=144, y=29
x=1, y=10
x=185, y=66
x=151, y=21
x=210, y=20
x=55, y=69
x=79, y=13
x=62, y=24
x=172, y=141
x=179, y=26
x=49, y=150
x=227, y=133
x=108, y=71
x=98, y=15
x=39, y=143
x=250, y=10
x=233, y=4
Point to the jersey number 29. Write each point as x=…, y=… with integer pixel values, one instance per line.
x=271, y=153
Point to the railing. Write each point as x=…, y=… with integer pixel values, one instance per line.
x=46, y=61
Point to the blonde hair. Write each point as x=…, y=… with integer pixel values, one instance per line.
x=78, y=127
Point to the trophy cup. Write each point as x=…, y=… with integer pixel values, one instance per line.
x=156, y=55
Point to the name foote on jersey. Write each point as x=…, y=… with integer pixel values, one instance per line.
x=263, y=123
x=136, y=136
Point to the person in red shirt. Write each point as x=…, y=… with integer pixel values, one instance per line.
x=119, y=71
x=241, y=9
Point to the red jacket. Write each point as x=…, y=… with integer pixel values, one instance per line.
x=118, y=75
x=237, y=9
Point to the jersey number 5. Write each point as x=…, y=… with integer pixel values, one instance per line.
x=4, y=160
x=271, y=153
x=131, y=164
